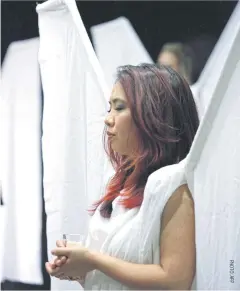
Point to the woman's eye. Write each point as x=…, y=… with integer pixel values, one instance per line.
x=119, y=108
x=116, y=108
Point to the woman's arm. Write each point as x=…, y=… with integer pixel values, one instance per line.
x=177, y=251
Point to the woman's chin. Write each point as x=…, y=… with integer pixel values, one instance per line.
x=116, y=149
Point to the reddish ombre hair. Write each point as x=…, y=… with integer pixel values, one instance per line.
x=166, y=118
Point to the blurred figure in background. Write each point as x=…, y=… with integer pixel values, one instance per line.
x=179, y=57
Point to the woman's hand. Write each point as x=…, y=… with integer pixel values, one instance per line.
x=59, y=261
x=72, y=261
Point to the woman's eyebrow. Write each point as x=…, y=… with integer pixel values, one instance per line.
x=115, y=100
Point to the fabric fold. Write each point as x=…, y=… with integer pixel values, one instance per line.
x=205, y=87
x=74, y=109
x=213, y=176
x=21, y=163
x=116, y=44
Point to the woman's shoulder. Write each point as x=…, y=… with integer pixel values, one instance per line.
x=160, y=187
x=165, y=177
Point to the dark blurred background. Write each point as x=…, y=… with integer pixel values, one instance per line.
x=196, y=23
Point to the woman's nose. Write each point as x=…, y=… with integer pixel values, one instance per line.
x=109, y=121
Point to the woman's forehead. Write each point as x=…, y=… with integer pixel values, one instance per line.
x=117, y=92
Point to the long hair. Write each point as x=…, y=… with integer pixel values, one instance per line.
x=165, y=115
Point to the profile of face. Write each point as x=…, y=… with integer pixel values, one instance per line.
x=121, y=130
x=169, y=59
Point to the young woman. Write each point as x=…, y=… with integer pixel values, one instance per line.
x=142, y=233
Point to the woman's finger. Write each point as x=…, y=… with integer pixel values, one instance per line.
x=59, y=261
x=59, y=252
x=63, y=260
x=49, y=268
x=61, y=243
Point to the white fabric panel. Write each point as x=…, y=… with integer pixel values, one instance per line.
x=2, y=209
x=2, y=217
x=195, y=92
x=2, y=220
x=21, y=171
x=206, y=85
x=74, y=108
x=116, y=43
x=1, y=241
x=96, y=93
x=213, y=174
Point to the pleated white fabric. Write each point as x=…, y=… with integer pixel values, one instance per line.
x=2, y=209
x=205, y=87
x=75, y=105
x=135, y=235
x=2, y=223
x=21, y=163
x=213, y=175
x=116, y=43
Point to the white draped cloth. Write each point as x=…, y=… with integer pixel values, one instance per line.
x=2, y=209
x=135, y=235
x=2, y=220
x=21, y=163
x=205, y=87
x=75, y=105
x=212, y=169
x=116, y=43
x=213, y=174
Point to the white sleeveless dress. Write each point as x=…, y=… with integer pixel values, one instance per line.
x=133, y=235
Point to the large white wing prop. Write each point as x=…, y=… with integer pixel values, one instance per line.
x=75, y=104
x=213, y=173
x=205, y=87
x=116, y=43
x=21, y=163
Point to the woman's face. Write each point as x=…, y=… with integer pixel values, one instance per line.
x=121, y=130
x=169, y=59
